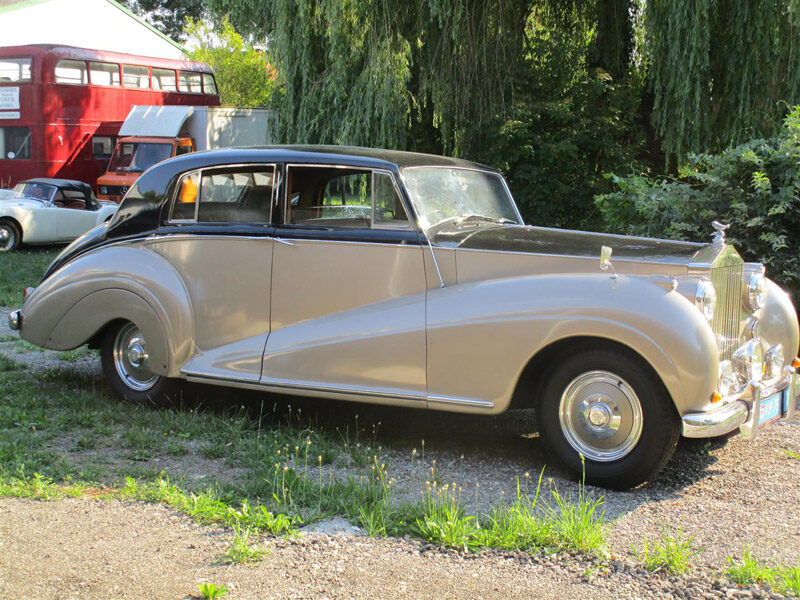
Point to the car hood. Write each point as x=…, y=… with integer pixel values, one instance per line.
x=564, y=242
x=6, y=203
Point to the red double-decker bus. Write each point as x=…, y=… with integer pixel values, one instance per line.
x=61, y=107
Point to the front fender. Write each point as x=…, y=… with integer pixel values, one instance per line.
x=133, y=283
x=482, y=335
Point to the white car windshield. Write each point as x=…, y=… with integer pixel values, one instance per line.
x=37, y=191
x=445, y=195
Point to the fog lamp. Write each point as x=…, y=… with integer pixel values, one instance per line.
x=773, y=361
x=728, y=379
x=748, y=360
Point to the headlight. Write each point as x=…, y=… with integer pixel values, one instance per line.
x=773, y=361
x=705, y=298
x=727, y=379
x=103, y=190
x=749, y=360
x=757, y=291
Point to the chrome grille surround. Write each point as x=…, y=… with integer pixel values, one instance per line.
x=726, y=275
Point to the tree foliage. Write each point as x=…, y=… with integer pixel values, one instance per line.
x=168, y=16
x=243, y=73
x=754, y=186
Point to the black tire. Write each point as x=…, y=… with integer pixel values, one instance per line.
x=579, y=401
x=10, y=236
x=129, y=381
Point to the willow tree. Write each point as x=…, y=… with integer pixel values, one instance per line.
x=721, y=71
x=394, y=73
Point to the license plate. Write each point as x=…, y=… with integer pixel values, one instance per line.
x=770, y=408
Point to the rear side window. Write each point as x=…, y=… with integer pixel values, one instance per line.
x=190, y=82
x=209, y=85
x=225, y=195
x=73, y=72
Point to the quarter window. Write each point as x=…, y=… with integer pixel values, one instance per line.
x=209, y=85
x=104, y=73
x=135, y=77
x=72, y=72
x=184, y=206
x=15, y=70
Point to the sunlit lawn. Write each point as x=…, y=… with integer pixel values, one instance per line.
x=21, y=269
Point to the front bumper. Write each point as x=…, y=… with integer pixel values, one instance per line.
x=743, y=413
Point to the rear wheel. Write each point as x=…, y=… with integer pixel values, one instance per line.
x=10, y=237
x=608, y=407
x=126, y=365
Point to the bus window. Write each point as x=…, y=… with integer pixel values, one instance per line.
x=135, y=77
x=72, y=72
x=15, y=70
x=190, y=82
x=102, y=146
x=15, y=142
x=209, y=85
x=164, y=79
x=104, y=73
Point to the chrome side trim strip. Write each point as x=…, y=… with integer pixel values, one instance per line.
x=461, y=401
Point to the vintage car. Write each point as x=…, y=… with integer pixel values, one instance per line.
x=241, y=267
x=47, y=211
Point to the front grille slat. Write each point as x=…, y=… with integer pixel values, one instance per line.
x=726, y=275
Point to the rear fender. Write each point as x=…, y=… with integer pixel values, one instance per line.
x=131, y=283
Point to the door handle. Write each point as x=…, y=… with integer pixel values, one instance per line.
x=282, y=241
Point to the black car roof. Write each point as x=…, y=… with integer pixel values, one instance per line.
x=71, y=184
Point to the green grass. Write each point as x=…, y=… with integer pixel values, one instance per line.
x=750, y=570
x=789, y=580
x=241, y=550
x=792, y=454
x=212, y=591
x=671, y=553
x=71, y=355
x=22, y=269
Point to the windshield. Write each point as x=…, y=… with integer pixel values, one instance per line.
x=135, y=157
x=444, y=195
x=38, y=191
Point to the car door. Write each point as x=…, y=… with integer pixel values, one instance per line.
x=72, y=217
x=348, y=288
x=217, y=235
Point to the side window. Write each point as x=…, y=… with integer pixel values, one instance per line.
x=183, y=208
x=389, y=210
x=188, y=81
x=72, y=71
x=338, y=197
x=209, y=85
x=225, y=195
x=102, y=147
x=15, y=70
x=104, y=73
x=135, y=77
x=164, y=79
x=15, y=142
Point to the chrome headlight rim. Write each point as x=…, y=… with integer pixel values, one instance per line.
x=756, y=291
x=748, y=359
x=705, y=298
x=728, y=381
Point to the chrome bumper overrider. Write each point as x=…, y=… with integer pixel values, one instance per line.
x=15, y=320
x=743, y=412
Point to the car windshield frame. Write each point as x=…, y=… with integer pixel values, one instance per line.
x=506, y=212
x=19, y=193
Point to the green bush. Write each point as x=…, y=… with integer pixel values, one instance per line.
x=755, y=187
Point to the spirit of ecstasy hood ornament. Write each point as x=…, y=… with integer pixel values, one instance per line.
x=718, y=237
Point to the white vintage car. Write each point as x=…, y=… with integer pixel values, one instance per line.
x=411, y=280
x=47, y=211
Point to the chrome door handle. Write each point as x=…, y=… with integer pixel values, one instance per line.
x=282, y=241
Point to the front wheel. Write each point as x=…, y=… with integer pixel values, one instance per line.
x=10, y=237
x=126, y=365
x=604, y=415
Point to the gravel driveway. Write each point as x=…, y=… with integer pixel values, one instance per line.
x=725, y=495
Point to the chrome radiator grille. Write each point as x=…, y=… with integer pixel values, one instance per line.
x=726, y=275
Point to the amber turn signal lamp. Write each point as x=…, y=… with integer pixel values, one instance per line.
x=716, y=397
x=796, y=363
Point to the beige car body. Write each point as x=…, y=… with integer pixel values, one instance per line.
x=434, y=324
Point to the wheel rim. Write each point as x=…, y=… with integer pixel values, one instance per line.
x=7, y=238
x=131, y=359
x=601, y=416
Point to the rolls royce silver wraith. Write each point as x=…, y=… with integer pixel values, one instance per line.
x=411, y=280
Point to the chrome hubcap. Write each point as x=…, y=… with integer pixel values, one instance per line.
x=131, y=359
x=601, y=416
x=6, y=238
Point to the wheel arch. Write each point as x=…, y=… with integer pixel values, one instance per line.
x=16, y=223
